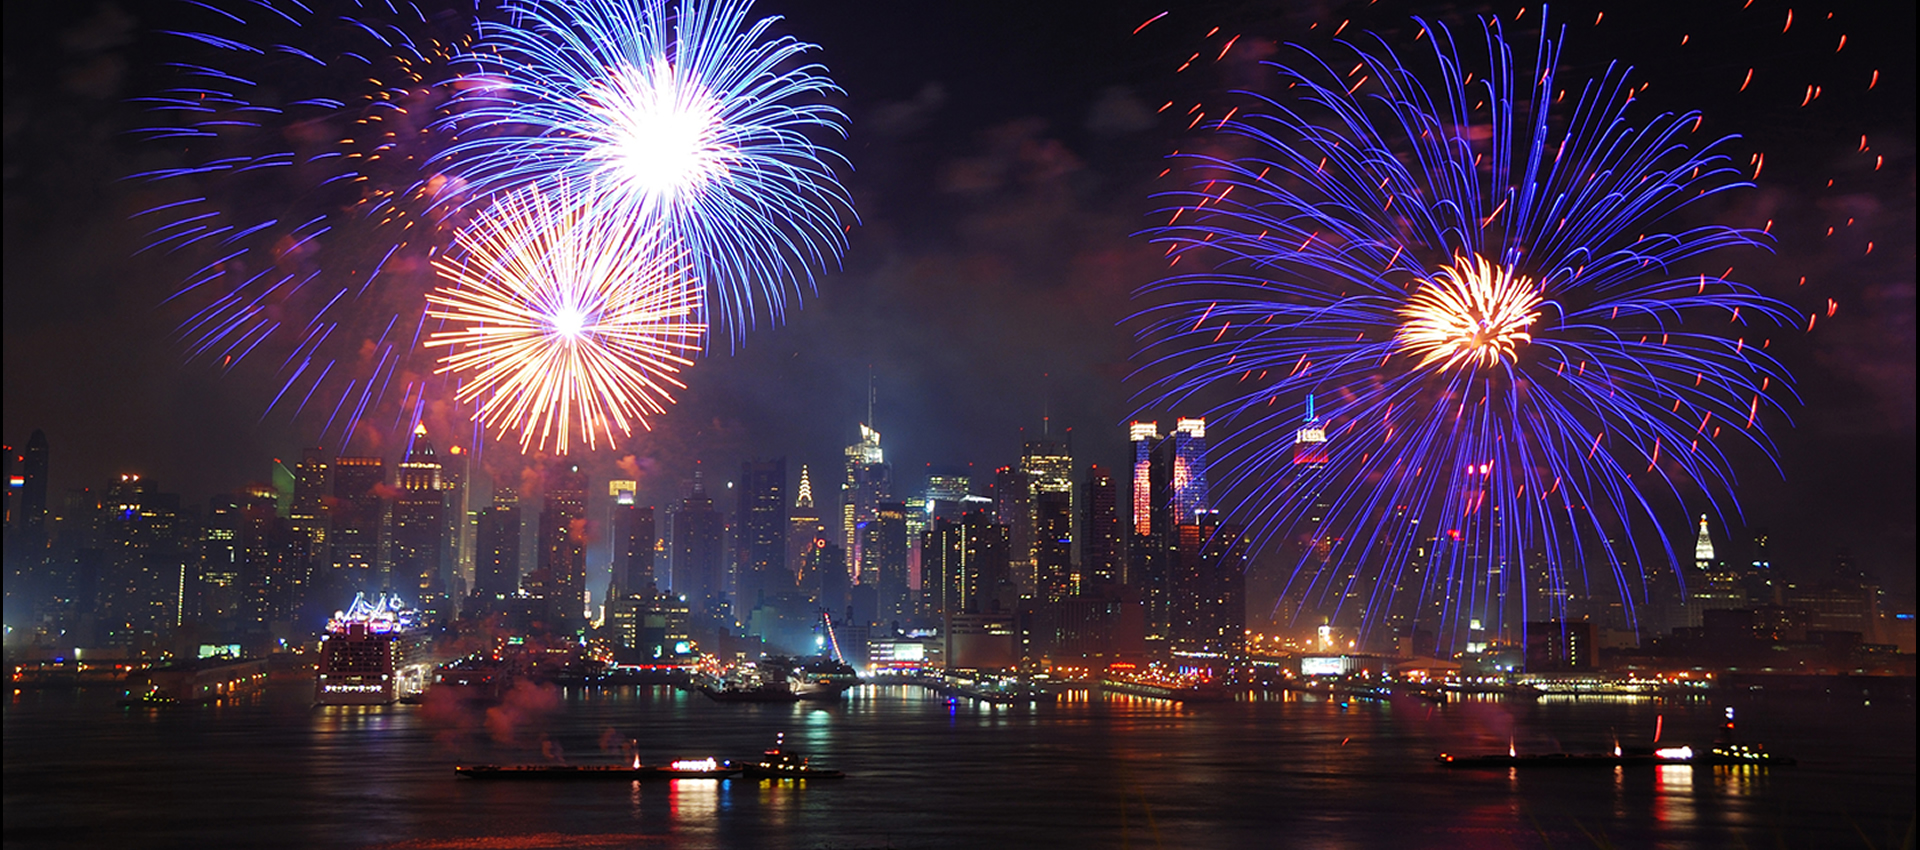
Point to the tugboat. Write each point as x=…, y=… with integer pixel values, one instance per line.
x=778, y=763
x=706, y=768
x=1724, y=751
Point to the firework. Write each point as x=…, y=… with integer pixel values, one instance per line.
x=1527, y=357
x=301, y=136
x=677, y=117
x=563, y=322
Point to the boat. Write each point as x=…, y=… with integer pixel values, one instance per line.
x=1721, y=754
x=754, y=693
x=706, y=768
x=1725, y=751
x=781, y=763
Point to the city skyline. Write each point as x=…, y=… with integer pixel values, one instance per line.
x=949, y=305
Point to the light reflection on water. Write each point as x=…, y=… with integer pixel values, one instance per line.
x=1094, y=771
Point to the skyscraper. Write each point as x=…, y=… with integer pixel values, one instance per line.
x=358, y=515
x=632, y=535
x=965, y=565
x=1046, y=562
x=33, y=488
x=497, y=559
x=760, y=535
x=884, y=540
x=1099, y=529
x=699, y=568
x=1176, y=487
x=563, y=547
x=307, y=513
x=420, y=530
x=869, y=481
x=1013, y=507
x=1309, y=468
x=803, y=526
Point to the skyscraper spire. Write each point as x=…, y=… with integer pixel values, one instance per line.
x=1703, y=546
x=805, y=500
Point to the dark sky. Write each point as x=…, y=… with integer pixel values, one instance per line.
x=1003, y=158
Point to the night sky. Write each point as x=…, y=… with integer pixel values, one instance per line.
x=1004, y=156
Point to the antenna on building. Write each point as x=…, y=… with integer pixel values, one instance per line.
x=870, y=393
x=1046, y=406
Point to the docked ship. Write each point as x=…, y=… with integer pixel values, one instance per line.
x=819, y=678
x=374, y=654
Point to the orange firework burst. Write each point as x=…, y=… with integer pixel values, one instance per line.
x=1473, y=313
x=562, y=321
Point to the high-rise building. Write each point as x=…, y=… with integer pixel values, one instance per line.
x=1099, y=529
x=1714, y=585
x=1054, y=577
x=803, y=527
x=760, y=534
x=965, y=566
x=1180, y=473
x=358, y=517
x=145, y=573
x=869, y=481
x=270, y=580
x=884, y=540
x=825, y=577
x=1013, y=507
x=307, y=513
x=33, y=487
x=632, y=535
x=1310, y=459
x=497, y=543
x=457, y=541
x=1176, y=488
x=420, y=531
x=1209, y=604
x=1046, y=466
x=562, y=554
x=220, y=563
x=699, y=559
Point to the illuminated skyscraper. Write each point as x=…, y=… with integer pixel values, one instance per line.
x=420, y=530
x=357, y=516
x=884, y=541
x=632, y=536
x=1046, y=467
x=1703, y=547
x=1310, y=466
x=562, y=554
x=497, y=544
x=699, y=558
x=803, y=526
x=1175, y=485
x=760, y=534
x=869, y=482
x=307, y=513
x=964, y=566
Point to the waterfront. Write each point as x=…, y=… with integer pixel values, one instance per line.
x=1093, y=772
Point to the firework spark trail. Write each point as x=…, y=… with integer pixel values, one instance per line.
x=563, y=322
x=304, y=135
x=1512, y=334
x=677, y=117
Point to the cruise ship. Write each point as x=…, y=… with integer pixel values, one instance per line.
x=373, y=654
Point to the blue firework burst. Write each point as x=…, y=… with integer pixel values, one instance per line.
x=1525, y=358
x=299, y=138
x=680, y=117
